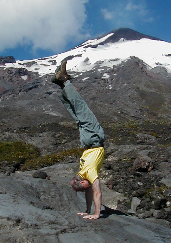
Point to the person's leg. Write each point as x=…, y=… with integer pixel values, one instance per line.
x=91, y=133
x=80, y=107
x=69, y=107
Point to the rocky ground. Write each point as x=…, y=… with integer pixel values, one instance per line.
x=135, y=179
x=139, y=166
x=44, y=210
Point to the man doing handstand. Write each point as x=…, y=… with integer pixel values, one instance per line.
x=91, y=138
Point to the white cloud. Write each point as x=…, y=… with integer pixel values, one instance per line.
x=127, y=13
x=108, y=15
x=45, y=24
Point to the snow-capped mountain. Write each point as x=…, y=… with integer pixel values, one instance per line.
x=110, y=50
x=122, y=75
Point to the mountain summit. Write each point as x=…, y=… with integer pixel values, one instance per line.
x=119, y=35
x=127, y=34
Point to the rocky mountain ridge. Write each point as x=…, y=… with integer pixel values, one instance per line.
x=126, y=91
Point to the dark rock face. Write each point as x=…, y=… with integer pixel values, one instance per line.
x=160, y=203
x=125, y=34
x=40, y=174
x=13, y=81
x=8, y=59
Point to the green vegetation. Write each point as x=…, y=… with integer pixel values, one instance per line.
x=47, y=160
x=13, y=152
x=119, y=133
x=29, y=156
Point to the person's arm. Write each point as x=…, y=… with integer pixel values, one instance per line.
x=97, y=198
x=89, y=199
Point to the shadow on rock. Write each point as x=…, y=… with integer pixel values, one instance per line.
x=106, y=212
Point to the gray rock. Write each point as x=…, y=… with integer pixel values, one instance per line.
x=40, y=174
x=146, y=214
x=143, y=163
x=134, y=204
x=167, y=180
x=146, y=139
x=159, y=214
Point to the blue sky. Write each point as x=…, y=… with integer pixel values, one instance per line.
x=38, y=28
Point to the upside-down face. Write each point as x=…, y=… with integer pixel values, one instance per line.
x=79, y=184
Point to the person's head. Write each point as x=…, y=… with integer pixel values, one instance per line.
x=79, y=184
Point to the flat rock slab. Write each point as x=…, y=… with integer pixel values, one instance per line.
x=44, y=210
x=167, y=180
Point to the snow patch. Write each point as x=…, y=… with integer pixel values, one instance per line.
x=122, y=40
x=106, y=76
x=96, y=41
x=85, y=78
x=84, y=59
x=24, y=77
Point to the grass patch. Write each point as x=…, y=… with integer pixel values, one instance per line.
x=13, y=152
x=29, y=155
x=52, y=159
